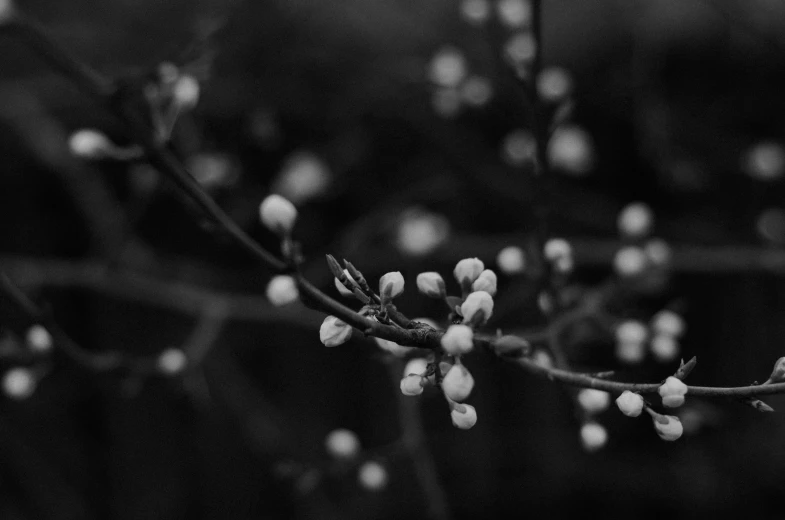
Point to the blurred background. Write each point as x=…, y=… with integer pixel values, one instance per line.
x=398, y=131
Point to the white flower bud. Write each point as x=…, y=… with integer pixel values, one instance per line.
x=420, y=232
x=635, y=220
x=658, y=252
x=630, y=403
x=392, y=284
x=629, y=261
x=172, y=361
x=334, y=332
x=542, y=359
x=459, y=339
x=765, y=161
x=514, y=13
x=631, y=331
x=468, y=269
x=278, y=214
x=668, y=323
x=571, y=151
x=664, y=348
x=411, y=385
x=341, y=287
x=392, y=347
x=458, y=383
x=464, y=416
x=303, y=176
x=475, y=11
x=477, y=308
x=557, y=248
x=554, y=84
x=448, y=67
x=372, y=476
x=630, y=352
x=593, y=401
x=670, y=430
x=593, y=436
x=511, y=260
x=19, y=383
x=282, y=290
x=186, y=92
x=342, y=443
x=672, y=392
x=486, y=282
x=38, y=339
x=416, y=366
x=431, y=284
x=90, y=144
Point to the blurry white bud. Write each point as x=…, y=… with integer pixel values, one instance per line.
x=172, y=361
x=464, y=416
x=765, y=161
x=593, y=436
x=635, y=220
x=631, y=331
x=38, y=339
x=545, y=302
x=468, y=269
x=518, y=147
x=629, y=261
x=664, y=348
x=416, y=366
x=278, y=214
x=630, y=403
x=7, y=10
x=90, y=144
x=446, y=101
x=593, y=401
x=168, y=72
x=391, y=284
x=345, y=291
x=303, y=177
x=554, y=84
x=486, y=282
x=511, y=260
x=282, y=290
x=564, y=265
x=411, y=385
x=392, y=347
x=458, y=383
x=334, y=332
x=631, y=352
x=542, y=359
x=571, y=150
x=514, y=13
x=673, y=392
x=476, y=91
x=186, y=92
x=658, y=252
x=475, y=11
x=459, y=339
x=477, y=308
x=670, y=430
x=342, y=443
x=213, y=170
x=521, y=47
x=19, y=383
x=668, y=323
x=557, y=248
x=448, y=67
x=770, y=225
x=372, y=476
x=420, y=232
x=431, y=284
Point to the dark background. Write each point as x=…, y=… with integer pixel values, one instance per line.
x=673, y=93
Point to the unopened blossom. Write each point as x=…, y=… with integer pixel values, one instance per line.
x=669, y=429
x=282, y=290
x=658, y=252
x=631, y=352
x=458, y=383
x=672, y=392
x=372, y=476
x=514, y=13
x=334, y=332
x=475, y=11
x=90, y=144
x=172, y=361
x=630, y=403
x=185, y=93
x=416, y=366
x=38, y=339
x=464, y=416
x=511, y=260
x=635, y=220
x=303, y=177
x=19, y=383
x=554, y=84
x=468, y=269
x=342, y=443
x=664, y=348
x=557, y=248
x=629, y=261
x=412, y=385
x=631, y=331
x=391, y=284
x=431, y=284
x=593, y=436
x=593, y=401
x=277, y=214
x=459, y=339
x=477, y=307
x=667, y=322
x=344, y=290
x=486, y=282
